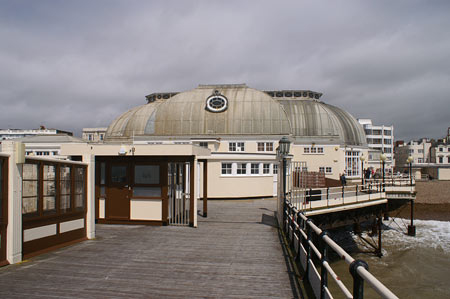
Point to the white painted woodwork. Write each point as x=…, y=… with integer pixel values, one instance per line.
x=71, y=225
x=145, y=209
x=39, y=232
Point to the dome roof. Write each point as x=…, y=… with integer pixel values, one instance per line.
x=312, y=120
x=248, y=112
x=212, y=110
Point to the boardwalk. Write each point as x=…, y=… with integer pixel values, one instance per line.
x=234, y=253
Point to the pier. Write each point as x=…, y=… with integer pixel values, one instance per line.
x=235, y=252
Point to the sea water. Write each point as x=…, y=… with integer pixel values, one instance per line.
x=411, y=267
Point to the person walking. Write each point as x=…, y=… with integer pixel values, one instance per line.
x=343, y=179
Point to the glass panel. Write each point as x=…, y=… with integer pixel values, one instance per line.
x=65, y=173
x=79, y=200
x=102, y=190
x=102, y=173
x=49, y=188
x=49, y=203
x=65, y=202
x=146, y=174
x=49, y=172
x=30, y=188
x=118, y=174
x=30, y=171
x=79, y=187
x=1, y=191
x=147, y=191
x=65, y=187
x=29, y=205
x=79, y=174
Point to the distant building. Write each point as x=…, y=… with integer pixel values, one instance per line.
x=6, y=134
x=419, y=150
x=48, y=146
x=379, y=138
x=94, y=134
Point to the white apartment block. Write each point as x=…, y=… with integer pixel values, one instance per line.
x=7, y=134
x=440, y=154
x=94, y=134
x=380, y=138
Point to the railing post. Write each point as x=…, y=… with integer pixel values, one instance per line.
x=358, y=281
x=323, y=271
x=309, y=232
x=300, y=236
x=328, y=192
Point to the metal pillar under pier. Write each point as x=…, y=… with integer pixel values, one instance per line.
x=412, y=227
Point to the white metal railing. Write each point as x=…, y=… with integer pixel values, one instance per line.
x=300, y=232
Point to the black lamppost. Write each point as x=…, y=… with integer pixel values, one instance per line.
x=283, y=150
x=411, y=227
x=362, y=158
x=383, y=161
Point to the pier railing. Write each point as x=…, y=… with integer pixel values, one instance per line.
x=318, y=198
x=301, y=233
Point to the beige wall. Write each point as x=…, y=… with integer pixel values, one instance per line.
x=444, y=174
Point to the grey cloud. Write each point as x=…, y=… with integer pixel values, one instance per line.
x=80, y=64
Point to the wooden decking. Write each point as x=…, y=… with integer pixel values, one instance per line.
x=234, y=253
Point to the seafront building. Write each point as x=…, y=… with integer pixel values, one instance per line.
x=380, y=139
x=94, y=134
x=7, y=134
x=215, y=141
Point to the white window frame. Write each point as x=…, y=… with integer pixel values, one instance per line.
x=236, y=146
x=241, y=167
x=266, y=168
x=254, y=168
x=230, y=170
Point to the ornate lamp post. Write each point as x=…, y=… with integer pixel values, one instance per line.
x=283, y=150
x=383, y=161
x=362, y=158
x=409, y=161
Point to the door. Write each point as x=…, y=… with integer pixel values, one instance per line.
x=3, y=208
x=118, y=191
x=179, y=193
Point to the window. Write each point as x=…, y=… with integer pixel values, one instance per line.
x=306, y=150
x=321, y=169
x=254, y=168
x=419, y=160
x=448, y=159
x=441, y=159
x=101, y=136
x=49, y=190
x=411, y=151
x=265, y=146
x=90, y=137
x=65, y=186
x=216, y=103
x=226, y=168
x=420, y=151
x=241, y=168
x=266, y=168
x=441, y=149
x=30, y=188
x=80, y=188
x=203, y=144
x=329, y=170
x=352, y=163
x=388, y=150
x=320, y=150
x=387, y=132
x=387, y=141
x=313, y=150
x=236, y=146
x=275, y=168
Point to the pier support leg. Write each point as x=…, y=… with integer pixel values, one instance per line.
x=357, y=228
x=379, y=249
x=412, y=227
x=386, y=212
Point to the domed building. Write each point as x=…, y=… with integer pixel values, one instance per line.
x=233, y=130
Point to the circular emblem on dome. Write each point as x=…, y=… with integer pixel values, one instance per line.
x=216, y=102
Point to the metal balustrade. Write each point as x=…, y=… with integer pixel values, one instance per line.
x=300, y=231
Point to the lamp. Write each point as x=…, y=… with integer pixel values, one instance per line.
x=122, y=151
x=284, y=146
x=362, y=158
x=383, y=160
x=283, y=150
x=409, y=161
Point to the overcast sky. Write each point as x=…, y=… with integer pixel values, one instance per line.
x=75, y=64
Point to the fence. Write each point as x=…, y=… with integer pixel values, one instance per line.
x=301, y=233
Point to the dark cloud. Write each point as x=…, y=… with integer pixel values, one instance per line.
x=80, y=64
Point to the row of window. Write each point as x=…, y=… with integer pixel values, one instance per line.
x=52, y=189
x=377, y=132
x=443, y=149
x=42, y=153
x=240, y=146
x=327, y=170
x=313, y=150
x=249, y=168
x=441, y=159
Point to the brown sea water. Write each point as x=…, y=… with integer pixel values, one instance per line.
x=411, y=267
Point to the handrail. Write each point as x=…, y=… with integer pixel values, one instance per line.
x=357, y=268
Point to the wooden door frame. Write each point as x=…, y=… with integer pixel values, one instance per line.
x=4, y=203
